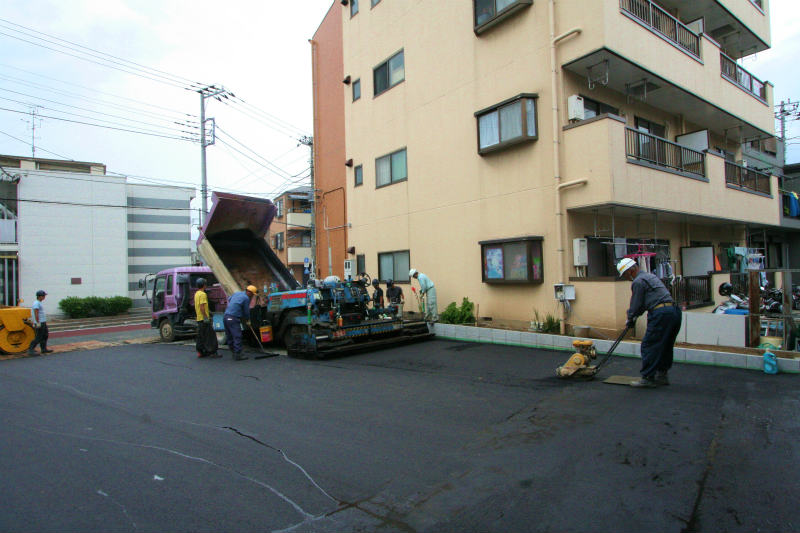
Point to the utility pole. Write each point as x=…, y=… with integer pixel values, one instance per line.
x=786, y=109
x=33, y=119
x=210, y=91
x=309, y=141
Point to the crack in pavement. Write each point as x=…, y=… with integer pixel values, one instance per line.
x=711, y=454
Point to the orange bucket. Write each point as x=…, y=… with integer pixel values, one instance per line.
x=266, y=333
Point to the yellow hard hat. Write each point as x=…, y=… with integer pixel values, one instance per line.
x=252, y=288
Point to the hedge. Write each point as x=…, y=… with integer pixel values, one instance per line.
x=75, y=307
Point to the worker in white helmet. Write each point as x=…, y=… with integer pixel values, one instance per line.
x=427, y=291
x=663, y=322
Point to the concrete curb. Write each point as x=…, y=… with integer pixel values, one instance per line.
x=544, y=341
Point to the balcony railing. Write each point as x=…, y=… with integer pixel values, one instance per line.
x=664, y=23
x=691, y=291
x=663, y=153
x=747, y=178
x=732, y=71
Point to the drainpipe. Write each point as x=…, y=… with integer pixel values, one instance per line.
x=554, y=40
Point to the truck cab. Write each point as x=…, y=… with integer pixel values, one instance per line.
x=172, y=299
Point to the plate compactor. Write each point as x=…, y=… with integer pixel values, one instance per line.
x=578, y=366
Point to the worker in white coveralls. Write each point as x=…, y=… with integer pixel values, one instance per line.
x=428, y=292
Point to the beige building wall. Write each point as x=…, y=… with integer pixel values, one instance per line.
x=454, y=198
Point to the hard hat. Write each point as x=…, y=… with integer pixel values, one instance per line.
x=40, y=292
x=252, y=288
x=389, y=282
x=201, y=282
x=375, y=282
x=412, y=272
x=624, y=264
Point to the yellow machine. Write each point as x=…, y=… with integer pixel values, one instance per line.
x=16, y=331
x=578, y=364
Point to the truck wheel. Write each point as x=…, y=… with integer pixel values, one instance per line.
x=166, y=331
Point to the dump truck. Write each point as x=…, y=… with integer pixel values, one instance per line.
x=324, y=318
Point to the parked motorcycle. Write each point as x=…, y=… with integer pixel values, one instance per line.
x=734, y=302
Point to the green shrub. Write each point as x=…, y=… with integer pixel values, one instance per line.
x=551, y=324
x=458, y=315
x=75, y=307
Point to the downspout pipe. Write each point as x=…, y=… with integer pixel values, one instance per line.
x=554, y=40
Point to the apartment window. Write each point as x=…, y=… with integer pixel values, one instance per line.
x=510, y=122
x=361, y=264
x=389, y=73
x=279, y=205
x=375, y=2
x=356, y=90
x=359, y=175
x=488, y=13
x=353, y=7
x=593, y=108
x=394, y=266
x=391, y=168
x=512, y=260
x=279, y=241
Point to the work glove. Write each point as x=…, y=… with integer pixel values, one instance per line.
x=631, y=323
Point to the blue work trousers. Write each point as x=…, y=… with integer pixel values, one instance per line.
x=663, y=325
x=233, y=332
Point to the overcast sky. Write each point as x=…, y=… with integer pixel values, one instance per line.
x=257, y=49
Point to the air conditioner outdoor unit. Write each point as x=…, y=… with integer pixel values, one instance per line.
x=575, y=107
x=580, y=252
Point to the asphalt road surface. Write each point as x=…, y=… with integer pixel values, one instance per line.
x=436, y=436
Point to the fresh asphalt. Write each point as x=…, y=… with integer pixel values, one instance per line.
x=435, y=436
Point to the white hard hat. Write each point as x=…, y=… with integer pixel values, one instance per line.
x=412, y=272
x=624, y=264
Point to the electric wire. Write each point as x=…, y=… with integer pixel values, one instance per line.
x=266, y=162
x=179, y=138
x=238, y=100
x=38, y=147
x=122, y=64
x=274, y=126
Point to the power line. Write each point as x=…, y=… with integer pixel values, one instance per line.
x=145, y=71
x=39, y=147
x=142, y=102
x=179, y=138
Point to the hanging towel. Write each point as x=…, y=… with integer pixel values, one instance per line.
x=794, y=205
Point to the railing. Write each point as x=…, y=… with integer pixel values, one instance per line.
x=747, y=178
x=691, y=291
x=664, y=23
x=731, y=70
x=663, y=153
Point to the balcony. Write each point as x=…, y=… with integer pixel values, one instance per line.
x=664, y=23
x=637, y=173
x=637, y=49
x=659, y=152
x=747, y=179
x=300, y=220
x=742, y=78
x=297, y=254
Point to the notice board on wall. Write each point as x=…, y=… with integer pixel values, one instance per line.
x=697, y=260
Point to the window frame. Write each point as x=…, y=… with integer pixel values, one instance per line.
x=406, y=278
x=279, y=241
x=602, y=107
x=524, y=138
x=534, y=249
x=357, y=83
x=358, y=169
x=389, y=85
x=497, y=17
x=361, y=259
x=392, y=181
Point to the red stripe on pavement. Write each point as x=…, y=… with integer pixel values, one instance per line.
x=89, y=331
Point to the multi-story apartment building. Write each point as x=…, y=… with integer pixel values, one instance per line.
x=505, y=147
x=290, y=233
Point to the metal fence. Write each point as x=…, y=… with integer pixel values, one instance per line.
x=747, y=178
x=646, y=147
x=741, y=77
x=691, y=291
x=664, y=23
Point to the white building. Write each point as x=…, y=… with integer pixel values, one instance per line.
x=70, y=229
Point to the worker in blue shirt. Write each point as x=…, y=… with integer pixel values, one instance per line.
x=238, y=311
x=428, y=293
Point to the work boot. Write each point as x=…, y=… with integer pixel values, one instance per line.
x=47, y=350
x=661, y=378
x=239, y=357
x=644, y=383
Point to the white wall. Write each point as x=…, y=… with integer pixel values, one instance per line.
x=58, y=241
